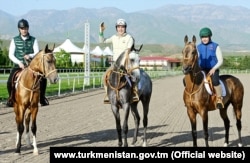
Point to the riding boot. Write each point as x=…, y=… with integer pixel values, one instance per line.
x=105, y=78
x=135, y=97
x=9, y=100
x=106, y=98
x=43, y=100
x=219, y=102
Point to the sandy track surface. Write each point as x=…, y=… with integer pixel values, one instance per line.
x=83, y=120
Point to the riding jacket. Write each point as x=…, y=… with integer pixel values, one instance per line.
x=120, y=43
x=207, y=55
x=21, y=46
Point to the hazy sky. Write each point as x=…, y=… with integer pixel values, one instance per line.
x=20, y=7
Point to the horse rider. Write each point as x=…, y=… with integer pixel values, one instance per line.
x=121, y=41
x=210, y=60
x=22, y=49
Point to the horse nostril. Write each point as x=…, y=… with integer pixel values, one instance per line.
x=56, y=80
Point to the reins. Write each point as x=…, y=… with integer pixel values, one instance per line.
x=37, y=77
x=194, y=74
x=120, y=75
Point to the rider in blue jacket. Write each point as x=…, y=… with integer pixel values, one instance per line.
x=210, y=60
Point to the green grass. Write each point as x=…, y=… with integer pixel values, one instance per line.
x=74, y=82
x=70, y=82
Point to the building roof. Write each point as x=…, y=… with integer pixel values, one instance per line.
x=69, y=47
x=159, y=58
x=97, y=51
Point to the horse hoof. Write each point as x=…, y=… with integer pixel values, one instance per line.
x=132, y=145
x=240, y=145
x=144, y=144
x=225, y=145
x=35, y=153
x=17, y=154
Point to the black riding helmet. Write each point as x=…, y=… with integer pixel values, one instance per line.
x=23, y=24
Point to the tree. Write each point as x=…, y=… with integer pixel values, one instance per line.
x=63, y=59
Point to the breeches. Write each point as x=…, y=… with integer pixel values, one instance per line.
x=215, y=77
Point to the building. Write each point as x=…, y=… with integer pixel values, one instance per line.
x=159, y=62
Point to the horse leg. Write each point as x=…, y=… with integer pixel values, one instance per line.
x=27, y=122
x=20, y=127
x=238, y=114
x=223, y=115
x=145, y=105
x=34, y=112
x=136, y=120
x=192, y=118
x=204, y=116
x=126, y=108
x=116, y=114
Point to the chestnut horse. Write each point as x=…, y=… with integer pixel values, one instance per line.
x=27, y=94
x=119, y=89
x=198, y=100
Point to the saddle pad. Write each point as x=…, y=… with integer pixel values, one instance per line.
x=139, y=85
x=209, y=89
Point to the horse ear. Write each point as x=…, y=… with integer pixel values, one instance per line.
x=186, y=39
x=46, y=48
x=194, y=39
x=140, y=47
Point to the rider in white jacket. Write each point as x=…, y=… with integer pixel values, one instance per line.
x=121, y=41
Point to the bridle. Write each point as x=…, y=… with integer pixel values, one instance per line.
x=191, y=70
x=37, y=76
x=125, y=72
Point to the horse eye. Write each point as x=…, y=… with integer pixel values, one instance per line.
x=49, y=61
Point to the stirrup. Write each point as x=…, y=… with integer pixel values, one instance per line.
x=135, y=98
x=219, y=103
x=106, y=100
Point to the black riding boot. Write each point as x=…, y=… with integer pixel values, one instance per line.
x=43, y=100
x=9, y=100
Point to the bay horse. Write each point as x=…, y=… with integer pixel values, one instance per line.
x=198, y=100
x=27, y=95
x=119, y=89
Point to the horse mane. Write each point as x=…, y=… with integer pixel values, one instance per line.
x=119, y=63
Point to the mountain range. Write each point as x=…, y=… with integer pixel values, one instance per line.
x=164, y=25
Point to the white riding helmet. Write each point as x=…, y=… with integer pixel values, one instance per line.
x=121, y=22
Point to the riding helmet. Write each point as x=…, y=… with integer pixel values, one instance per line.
x=121, y=22
x=205, y=32
x=23, y=24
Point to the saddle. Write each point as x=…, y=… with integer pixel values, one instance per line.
x=13, y=84
x=209, y=85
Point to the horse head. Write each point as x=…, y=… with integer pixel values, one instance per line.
x=128, y=62
x=190, y=55
x=44, y=63
x=135, y=62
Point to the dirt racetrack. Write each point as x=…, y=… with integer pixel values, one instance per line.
x=83, y=120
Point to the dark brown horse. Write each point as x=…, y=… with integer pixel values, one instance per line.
x=27, y=94
x=199, y=101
